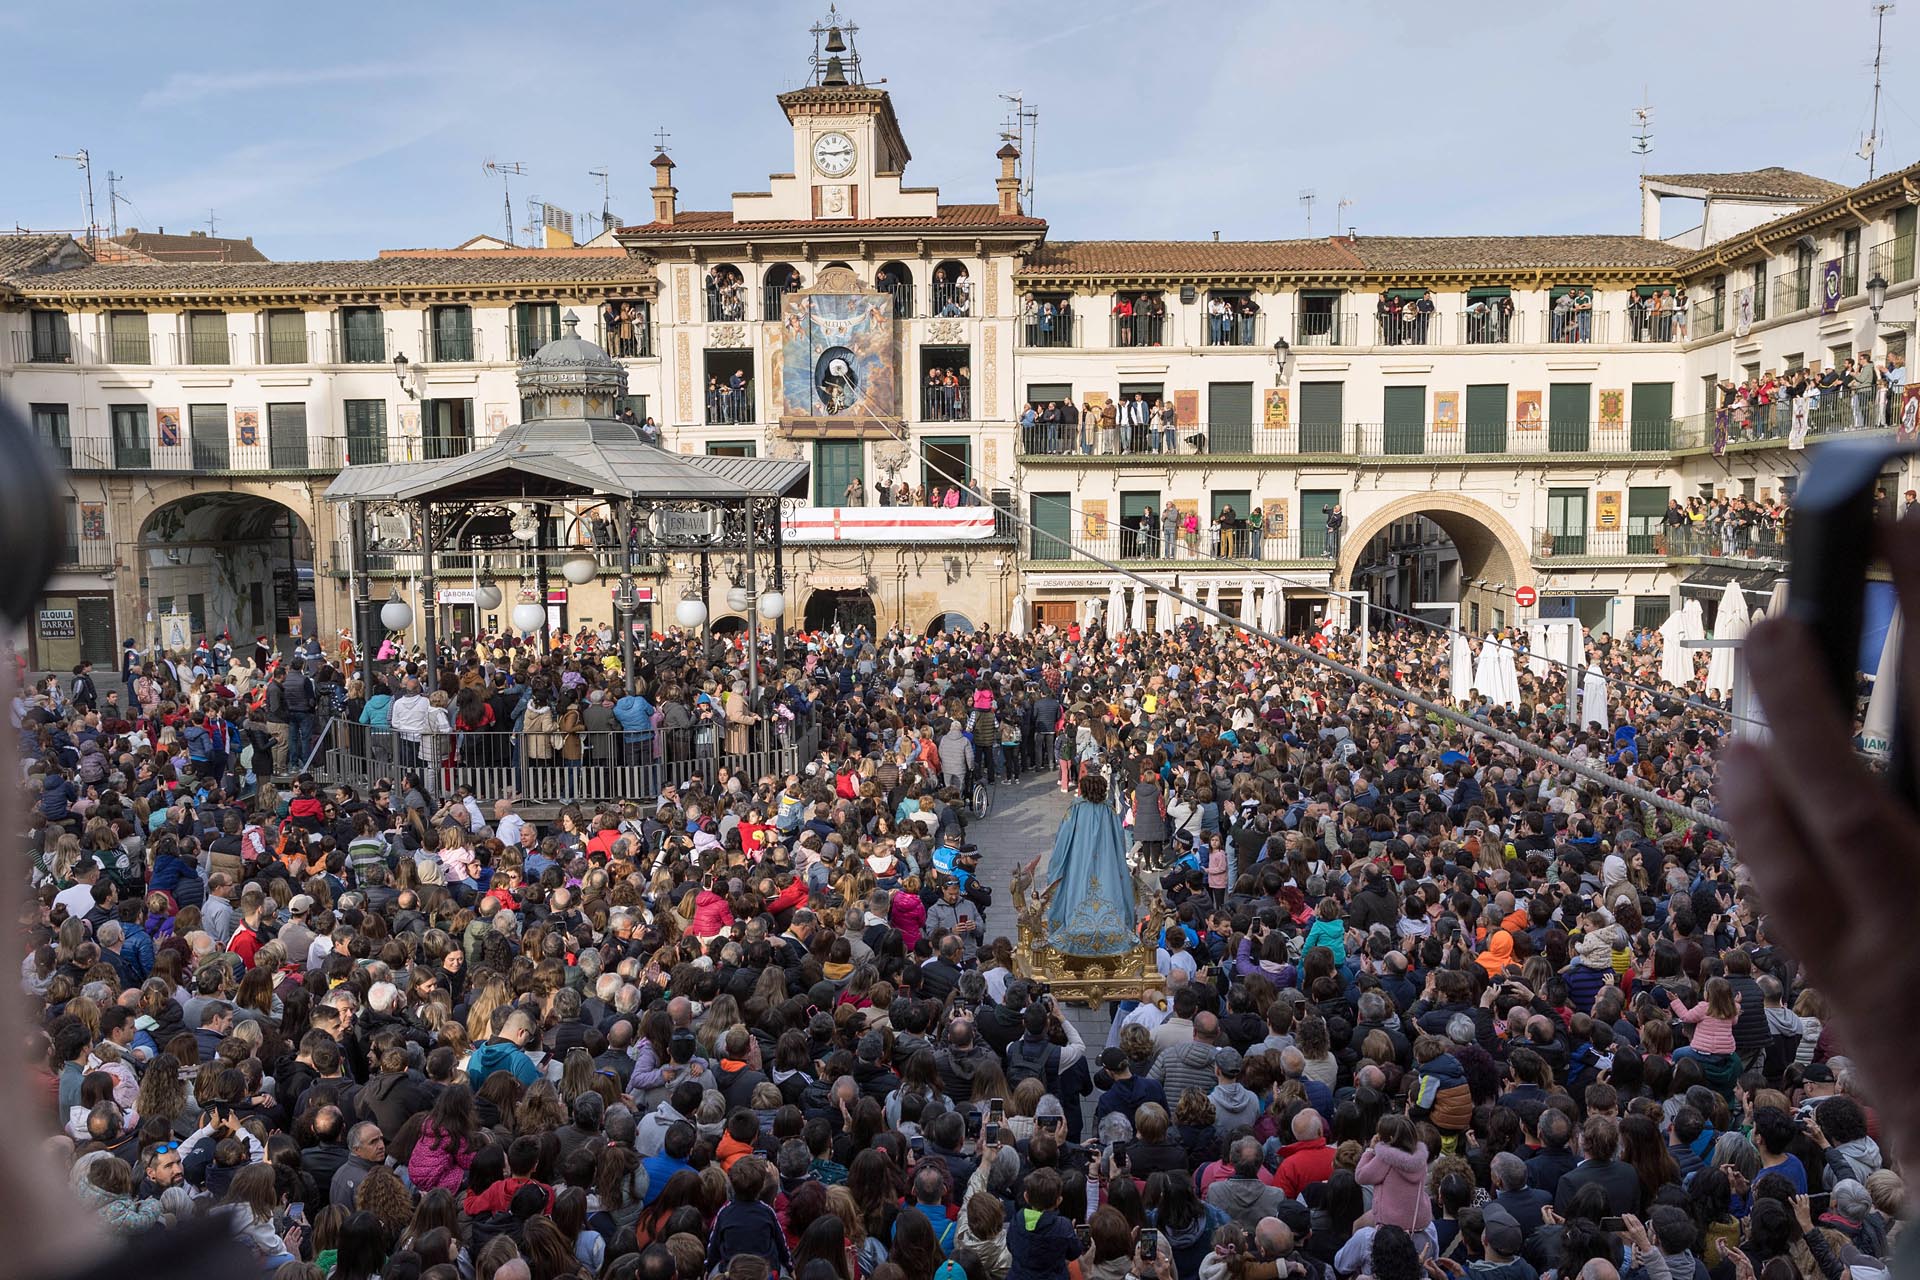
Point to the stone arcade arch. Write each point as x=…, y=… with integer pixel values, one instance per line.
x=1491, y=549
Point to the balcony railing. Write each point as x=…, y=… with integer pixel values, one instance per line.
x=300, y=453
x=902, y=292
x=729, y=404
x=1346, y=439
x=1574, y=324
x=1706, y=317
x=1043, y=331
x=727, y=303
x=1236, y=329
x=129, y=347
x=284, y=346
x=1408, y=328
x=1139, y=331
x=1131, y=539
x=191, y=348
x=1705, y=540
x=95, y=553
x=358, y=346
x=1892, y=259
x=43, y=347
x=1773, y=423
x=1616, y=543
x=627, y=342
x=951, y=298
x=946, y=403
x=1490, y=326
x=1649, y=326
x=453, y=346
x=1323, y=329
x=1792, y=291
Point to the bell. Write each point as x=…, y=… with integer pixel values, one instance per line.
x=836, y=73
x=836, y=43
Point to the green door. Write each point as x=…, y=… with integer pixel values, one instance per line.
x=1052, y=516
x=1567, y=521
x=447, y=429
x=1646, y=506
x=1313, y=519
x=1230, y=417
x=1487, y=418
x=1134, y=544
x=207, y=435
x=535, y=325
x=836, y=463
x=1320, y=411
x=287, y=436
x=1569, y=411
x=1651, y=414
x=1404, y=415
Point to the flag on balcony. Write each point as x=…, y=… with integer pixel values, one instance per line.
x=1742, y=312
x=1830, y=286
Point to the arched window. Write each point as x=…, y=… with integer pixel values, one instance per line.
x=896, y=279
x=950, y=624
x=952, y=289
x=726, y=293
x=780, y=280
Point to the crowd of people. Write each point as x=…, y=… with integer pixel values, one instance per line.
x=947, y=395
x=1426, y=1008
x=902, y=494
x=1659, y=315
x=1406, y=321
x=1139, y=320
x=729, y=399
x=1727, y=525
x=1853, y=395
x=1107, y=426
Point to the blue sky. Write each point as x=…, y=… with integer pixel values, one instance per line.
x=339, y=130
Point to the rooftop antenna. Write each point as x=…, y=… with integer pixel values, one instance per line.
x=1306, y=200
x=606, y=197
x=1643, y=130
x=85, y=162
x=507, y=172
x=1340, y=213
x=1870, y=145
x=114, y=201
x=211, y=223
x=1022, y=129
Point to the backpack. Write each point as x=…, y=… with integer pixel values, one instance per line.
x=1027, y=1060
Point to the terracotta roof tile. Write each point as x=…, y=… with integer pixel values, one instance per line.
x=1773, y=182
x=1174, y=257
x=162, y=247
x=21, y=254
x=1496, y=253
x=377, y=273
x=952, y=217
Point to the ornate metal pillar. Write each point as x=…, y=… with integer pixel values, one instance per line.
x=429, y=596
x=623, y=594
x=780, y=585
x=540, y=546
x=362, y=584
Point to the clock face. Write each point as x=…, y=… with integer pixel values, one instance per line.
x=833, y=154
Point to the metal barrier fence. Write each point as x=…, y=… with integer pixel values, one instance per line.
x=543, y=768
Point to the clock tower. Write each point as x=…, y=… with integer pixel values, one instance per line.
x=848, y=154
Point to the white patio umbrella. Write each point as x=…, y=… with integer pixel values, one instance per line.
x=1537, y=649
x=1116, y=614
x=1276, y=601
x=1213, y=602
x=1676, y=661
x=1139, y=622
x=1486, y=677
x=1169, y=612
x=1732, y=624
x=1593, y=697
x=1017, y=622
x=1876, y=732
x=1460, y=668
x=1506, y=669
x=1247, y=618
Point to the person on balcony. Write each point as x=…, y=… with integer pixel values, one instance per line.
x=1423, y=310
x=1169, y=530
x=1160, y=428
x=1123, y=321
x=1254, y=523
x=1110, y=429
x=855, y=495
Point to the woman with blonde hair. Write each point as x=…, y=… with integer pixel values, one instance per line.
x=491, y=997
x=868, y=1252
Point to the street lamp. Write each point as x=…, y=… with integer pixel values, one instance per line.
x=400, y=369
x=396, y=614
x=1876, y=295
x=1282, y=352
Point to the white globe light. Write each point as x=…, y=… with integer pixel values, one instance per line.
x=737, y=599
x=690, y=612
x=396, y=614
x=580, y=570
x=487, y=597
x=529, y=616
x=772, y=605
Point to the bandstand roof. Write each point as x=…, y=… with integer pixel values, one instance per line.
x=571, y=457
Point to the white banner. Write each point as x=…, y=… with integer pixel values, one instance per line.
x=803, y=525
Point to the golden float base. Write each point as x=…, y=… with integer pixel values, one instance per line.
x=1131, y=975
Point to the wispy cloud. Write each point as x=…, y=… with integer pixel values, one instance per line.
x=183, y=87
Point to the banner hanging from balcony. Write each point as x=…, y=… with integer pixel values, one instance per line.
x=93, y=522
x=811, y=525
x=168, y=420
x=1830, y=286
x=1742, y=312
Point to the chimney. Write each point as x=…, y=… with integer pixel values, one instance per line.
x=663, y=189
x=1353, y=234
x=1008, y=183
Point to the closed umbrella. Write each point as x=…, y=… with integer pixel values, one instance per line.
x=1116, y=615
x=1876, y=732
x=1017, y=622
x=1506, y=668
x=1486, y=677
x=1731, y=624
x=1537, y=662
x=1246, y=604
x=1169, y=612
x=1676, y=661
x=1213, y=602
x=1139, y=622
x=1593, y=697
x=1276, y=602
x=1459, y=668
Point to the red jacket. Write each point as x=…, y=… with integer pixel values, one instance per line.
x=711, y=914
x=1302, y=1164
x=497, y=1198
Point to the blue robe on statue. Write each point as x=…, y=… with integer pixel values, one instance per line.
x=1092, y=909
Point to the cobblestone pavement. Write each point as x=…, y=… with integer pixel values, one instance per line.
x=1022, y=824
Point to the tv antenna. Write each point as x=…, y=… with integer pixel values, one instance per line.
x=1643, y=131
x=1340, y=213
x=85, y=162
x=606, y=197
x=211, y=223
x=1870, y=145
x=114, y=201
x=507, y=173
x=1022, y=129
x=1307, y=198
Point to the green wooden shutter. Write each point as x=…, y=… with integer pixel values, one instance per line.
x=1313, y=520
x=1404, y=415
x=1651, y=413
x=1319, y=413
x=132, y=446
x=1052, y=516
x=835, y=463
x=287, y=436
x=1134, y=506
x=1569, y=413
x=1904, y=223
x=366, y=431
x=1567, y=521
x=1230, y=417
x=1487, y=418
x=207, y=429
x=1646, y=507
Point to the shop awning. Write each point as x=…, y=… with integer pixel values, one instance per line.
x=1712, y=579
